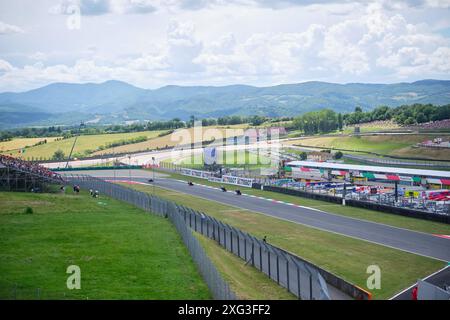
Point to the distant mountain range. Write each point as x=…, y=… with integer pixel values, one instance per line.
x=119, y=102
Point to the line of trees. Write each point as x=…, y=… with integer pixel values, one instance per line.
x=322, y=121
x=327, y=120
x=402, y=115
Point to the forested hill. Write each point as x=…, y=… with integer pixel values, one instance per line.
x=117, y=102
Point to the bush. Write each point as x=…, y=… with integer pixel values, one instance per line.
x=28, y=210
x=338, y=155
x=58, y=155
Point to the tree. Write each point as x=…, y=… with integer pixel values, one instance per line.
x=303, y=155
x=421, y=118
x=340, y=122
x=313, y=122
x=338, y=155
x=257, y=120
x=58, y=155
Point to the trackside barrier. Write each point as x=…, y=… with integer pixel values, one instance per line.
x=399, y=211
x=358, y=203
x=239, y=181
x=301, y=278
x=97, y=168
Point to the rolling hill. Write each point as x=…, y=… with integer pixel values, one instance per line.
x=117, y=102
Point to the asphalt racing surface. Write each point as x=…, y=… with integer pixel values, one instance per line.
x=440, y=278
x=411, y=241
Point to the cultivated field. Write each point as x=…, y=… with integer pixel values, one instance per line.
x=19, y=143
x=123, y=252
x=85, y=144
x=344, y=256
x=180, y=137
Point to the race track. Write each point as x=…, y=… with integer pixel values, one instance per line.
x=402, y=239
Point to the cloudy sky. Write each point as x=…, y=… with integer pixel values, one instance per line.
x=152, y=43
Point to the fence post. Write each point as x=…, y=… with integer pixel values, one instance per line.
x=253, y=253
x=287, y=273
x=278, y=269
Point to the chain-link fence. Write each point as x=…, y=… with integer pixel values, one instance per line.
x=289, y=271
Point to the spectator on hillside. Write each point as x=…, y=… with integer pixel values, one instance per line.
x=27, y=166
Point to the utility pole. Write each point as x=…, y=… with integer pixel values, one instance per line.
x=74, y=142
x=153, y=159
x=129, y=166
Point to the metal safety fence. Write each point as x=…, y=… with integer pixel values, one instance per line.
x=291, y=272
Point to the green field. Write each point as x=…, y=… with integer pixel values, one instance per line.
x=344, y=256
x=85, y=144
x=353, y=212
x=389, y=145
x=246, y=281
x=19, y=143
x=123, y=252
x=239, y=158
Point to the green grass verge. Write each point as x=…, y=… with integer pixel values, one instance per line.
x=344, y=256
x=246, y=281
x=353, y=212
x=123, y=252
x=233, y=159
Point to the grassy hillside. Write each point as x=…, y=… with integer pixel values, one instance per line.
x=373, y=126
x=393, y=145
x=123, y=252
x=83, y=145
x=180, y=137
x=18, y=143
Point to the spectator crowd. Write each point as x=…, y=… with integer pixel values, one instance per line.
x=434, y=125
x=27, y=166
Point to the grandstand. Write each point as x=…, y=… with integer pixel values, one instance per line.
x=20, y=175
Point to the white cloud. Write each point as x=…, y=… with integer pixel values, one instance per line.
x=183, y=47
x=211, y=45
x=5, y=66
x=39, y=56
x=438, y=3
x=9, y=29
